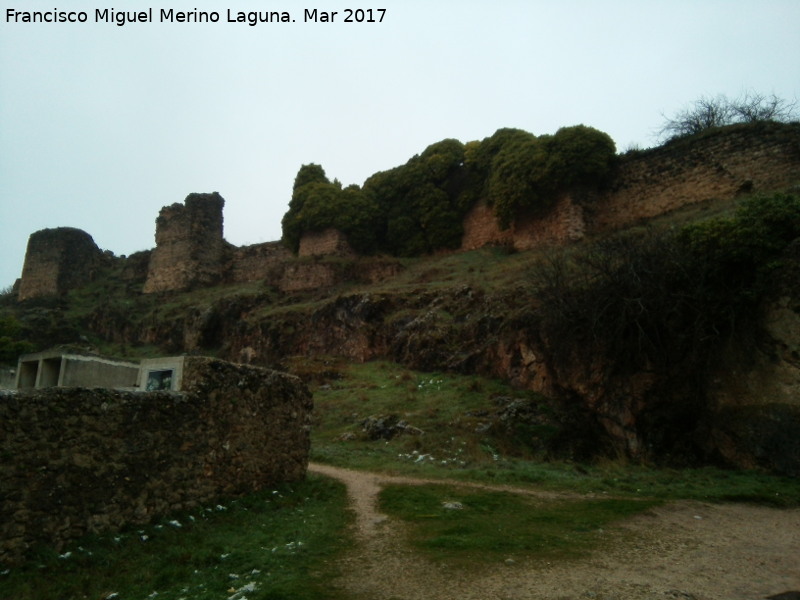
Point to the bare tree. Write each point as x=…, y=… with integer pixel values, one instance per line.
x=752, y=107
x=707, y=112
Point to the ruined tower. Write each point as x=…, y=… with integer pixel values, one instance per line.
x=189, y=245
x=58, y=260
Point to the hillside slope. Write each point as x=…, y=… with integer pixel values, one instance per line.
x=680, y=349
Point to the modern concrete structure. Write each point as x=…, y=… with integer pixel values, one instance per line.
x=56, y=368
x=161, y=374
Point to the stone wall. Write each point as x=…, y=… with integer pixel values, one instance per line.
x=189, y=245
x=717, y=165
x=58, y=260
x=191, y=252
x=257, y=262
x=78, y=461
x=330, y=242
x=565, y=223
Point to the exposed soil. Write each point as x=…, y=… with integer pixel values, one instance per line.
x=684, y=550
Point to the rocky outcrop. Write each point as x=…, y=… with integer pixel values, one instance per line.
x=79, y=461
x=58, y=260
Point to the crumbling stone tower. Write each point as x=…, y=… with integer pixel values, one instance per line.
x=58, y=260
x=189, y=245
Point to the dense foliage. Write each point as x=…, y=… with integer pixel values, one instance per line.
x=667, y=303
x=12, y=343
x=318, y=204
x=419, y=207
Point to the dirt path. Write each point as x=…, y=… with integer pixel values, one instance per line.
x=684, y=550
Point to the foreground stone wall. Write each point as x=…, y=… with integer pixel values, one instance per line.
x=58, y=260
x=78, y=461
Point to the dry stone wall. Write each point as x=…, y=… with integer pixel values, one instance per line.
x=78, y=461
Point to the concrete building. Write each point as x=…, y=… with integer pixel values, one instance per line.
x=161, y=374
x=56, y=368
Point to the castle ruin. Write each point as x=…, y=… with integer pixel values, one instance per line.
x=191, y=252
x=58, y=260
x=189, y=245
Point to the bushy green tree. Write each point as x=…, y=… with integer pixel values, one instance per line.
x=292, y=224
x=318, y=204
x=419, y=207
x=11, y=342
x=421, y=200
x=528, y=172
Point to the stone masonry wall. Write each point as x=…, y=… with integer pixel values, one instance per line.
x=189, y=245
x=257, y=262
x=722, y=164
x=58, y=260
x=718, y=165
x=330, y=242
x=78, y=461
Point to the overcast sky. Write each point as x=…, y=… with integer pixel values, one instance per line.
x=102, y=125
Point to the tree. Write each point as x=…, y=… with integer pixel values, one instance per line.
x=707, y=112
x=422, y=201
x=528, y=172
x=11, y=344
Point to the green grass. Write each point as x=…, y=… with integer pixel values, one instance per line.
x=452, y=411
x=472, y=527
x=280, y=543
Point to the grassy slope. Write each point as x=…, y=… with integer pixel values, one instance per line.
x=453, y=411
x=280, y=543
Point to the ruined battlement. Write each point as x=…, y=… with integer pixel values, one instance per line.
x=189, y=248
x=190, y=251
x=58, y=260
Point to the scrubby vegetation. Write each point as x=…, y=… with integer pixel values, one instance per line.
x=709, y=112
x=419, y=207
x=669, y=303
x=12, y=343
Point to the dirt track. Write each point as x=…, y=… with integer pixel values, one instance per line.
x=684, y=550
